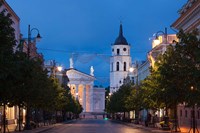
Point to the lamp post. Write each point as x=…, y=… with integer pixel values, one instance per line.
x=29, y=38
x=193, y=127
x=156, y=40
x=28, y=126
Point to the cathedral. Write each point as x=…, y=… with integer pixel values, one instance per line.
x=120, y=61
x=82, y=88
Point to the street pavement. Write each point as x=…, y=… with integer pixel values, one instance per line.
x=95, y=126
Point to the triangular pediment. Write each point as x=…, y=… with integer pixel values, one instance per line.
x=74, y=74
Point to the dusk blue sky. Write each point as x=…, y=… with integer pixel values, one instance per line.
x=89, y=27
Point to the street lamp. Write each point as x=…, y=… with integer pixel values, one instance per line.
x=193, y=121
x=77, y=96
x=131, y=69
x=133, y=73
x=38, y=37
x=55, y=69
x=59, y=68
x=28, y=126
x=156, y=40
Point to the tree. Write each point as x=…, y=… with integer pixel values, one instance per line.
x=116, y=102
x=7, y=43
x=150, y=92
x=134, y=101
x=189, y=47
x=171, y=79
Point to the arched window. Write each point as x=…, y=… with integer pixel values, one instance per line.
x=112, y=66
x=118, y=51
x=117, y=66
x=124, y=66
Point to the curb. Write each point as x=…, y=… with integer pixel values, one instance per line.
x=44, y=128
x=153, y=130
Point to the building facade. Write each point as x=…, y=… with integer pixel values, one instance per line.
x=120, y=61
x=143, y=71
x=160, y=46
x=15, y=19
x=188, y=20
x=11, y=112
x=81, y=85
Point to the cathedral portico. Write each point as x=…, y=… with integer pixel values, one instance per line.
x=81, y=86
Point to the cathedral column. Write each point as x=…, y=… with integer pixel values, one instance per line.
x=91, y=98
x=84, y=98
x=76, y=94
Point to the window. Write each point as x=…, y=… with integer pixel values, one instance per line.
x=118, y=51
x=124, y=49
x=117, y=67
x=112, y=66
x=124, y=66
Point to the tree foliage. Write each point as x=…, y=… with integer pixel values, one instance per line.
x=24, y=81
x=117, y=100
x=7, y=42
x=175, y=72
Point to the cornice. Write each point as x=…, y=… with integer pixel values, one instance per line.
x=10, y=10
x=194, y=9
x=71, y=70
x=193, y=26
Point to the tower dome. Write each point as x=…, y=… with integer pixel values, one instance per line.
x=121, y=40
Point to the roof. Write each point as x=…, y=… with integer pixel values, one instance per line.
x=121, y=40
x=80, y=72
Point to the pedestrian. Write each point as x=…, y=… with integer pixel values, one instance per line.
x=155, y=120
x=148, y=119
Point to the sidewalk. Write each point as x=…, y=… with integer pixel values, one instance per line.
x=151, y=129
x=12, y=128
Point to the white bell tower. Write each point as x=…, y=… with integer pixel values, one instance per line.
x=120, y=61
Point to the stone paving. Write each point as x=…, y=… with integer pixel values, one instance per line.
x=12, y=128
